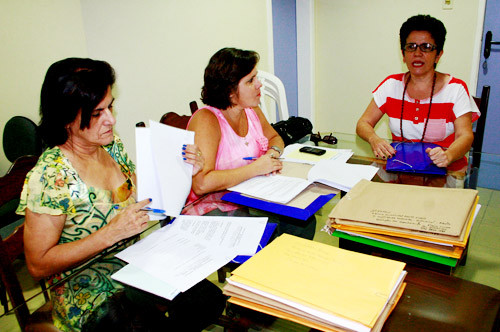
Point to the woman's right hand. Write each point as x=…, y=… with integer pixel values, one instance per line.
x=130, y=221
x=266, y=164
x=381, y=148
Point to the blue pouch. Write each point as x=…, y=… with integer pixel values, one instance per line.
x=411, y=158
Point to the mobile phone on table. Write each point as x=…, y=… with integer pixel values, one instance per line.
x=311, y=150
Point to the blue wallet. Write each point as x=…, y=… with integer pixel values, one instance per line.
x=411, y=158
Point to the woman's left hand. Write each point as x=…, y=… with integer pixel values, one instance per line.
x=438, y=156
x=192, y=155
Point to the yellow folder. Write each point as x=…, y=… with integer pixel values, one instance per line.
x=336, y=281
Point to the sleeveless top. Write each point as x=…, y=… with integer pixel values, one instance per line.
x=230, y=153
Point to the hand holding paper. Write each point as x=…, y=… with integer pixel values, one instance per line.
x=162, y=173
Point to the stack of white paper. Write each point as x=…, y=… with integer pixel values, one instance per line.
x=162, y=174
x=178, y=256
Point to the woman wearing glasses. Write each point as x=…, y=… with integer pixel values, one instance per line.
x=437, y=107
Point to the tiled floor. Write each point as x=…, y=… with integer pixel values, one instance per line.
x=483, y=262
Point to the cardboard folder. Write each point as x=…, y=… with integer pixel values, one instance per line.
x=441, y=211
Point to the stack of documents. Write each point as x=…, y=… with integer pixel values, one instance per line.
x=318, y=285
x=162, y=174
x=179, y=255
x=431, y=220
x=282, y=189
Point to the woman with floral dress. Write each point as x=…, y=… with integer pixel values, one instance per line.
x=79, y=200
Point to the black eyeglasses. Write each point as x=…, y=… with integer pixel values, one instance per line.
x=424, y=47
x=329, y=139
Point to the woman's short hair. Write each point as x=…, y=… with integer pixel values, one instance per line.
x=70, y=86
x=223, y=73
x=424, y=23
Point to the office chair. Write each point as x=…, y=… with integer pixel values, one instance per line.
x=477, y=145
x=21, y=138
x=273, y=87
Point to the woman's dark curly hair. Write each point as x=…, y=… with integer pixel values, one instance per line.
x=224, y=71
x=70, y=86
x=424, y=23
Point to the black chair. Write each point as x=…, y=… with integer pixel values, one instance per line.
x=477, y=145
x=21, y=138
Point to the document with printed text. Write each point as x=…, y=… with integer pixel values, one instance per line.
x=192, y=247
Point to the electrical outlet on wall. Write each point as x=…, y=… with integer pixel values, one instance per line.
x=447, y=4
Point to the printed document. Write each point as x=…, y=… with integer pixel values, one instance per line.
x=282, y=189
x=192, y=247
x=274, y=188
x=340, y=175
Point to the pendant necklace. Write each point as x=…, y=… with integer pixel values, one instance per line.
x=403, y=107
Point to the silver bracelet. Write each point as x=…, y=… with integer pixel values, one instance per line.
x=277, y=149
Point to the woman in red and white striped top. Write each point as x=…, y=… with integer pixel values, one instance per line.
x=437, y=107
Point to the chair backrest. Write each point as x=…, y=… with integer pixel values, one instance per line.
x=193, y=106
x=21, y=138
x=175, y=120
x=10, y=249
x=482, y=104
x=273, y=88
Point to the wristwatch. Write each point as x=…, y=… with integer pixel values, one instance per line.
x=277, y=149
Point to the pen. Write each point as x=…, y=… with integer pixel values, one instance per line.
x=255, y=158
x=153, y=210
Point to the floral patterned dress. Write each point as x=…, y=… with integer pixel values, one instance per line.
x=54, y=187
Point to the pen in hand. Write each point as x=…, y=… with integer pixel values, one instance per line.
x=255, y=158
x=153, y=210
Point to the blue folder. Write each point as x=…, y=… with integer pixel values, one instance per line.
x=411, y=158
x=268, y=232
x=277, y=208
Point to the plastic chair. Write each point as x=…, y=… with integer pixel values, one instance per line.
x=477, y=145
x=21, y=138
x=273, y=88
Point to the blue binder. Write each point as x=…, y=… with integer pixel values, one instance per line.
x=411, y=158
x=268, y=232
x=281, y=209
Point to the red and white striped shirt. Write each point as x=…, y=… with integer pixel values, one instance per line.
x=451, y=102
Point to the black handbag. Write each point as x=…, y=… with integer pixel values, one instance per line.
x=293, y=129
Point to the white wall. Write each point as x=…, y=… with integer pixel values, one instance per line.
x=33, y=35
x=158, y=48
x=357, y=46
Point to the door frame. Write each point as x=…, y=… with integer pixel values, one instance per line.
x=477, y=48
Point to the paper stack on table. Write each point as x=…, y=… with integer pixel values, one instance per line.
x=179, y=255
x=429, y=219
x=282, y=189
x=318, y=285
